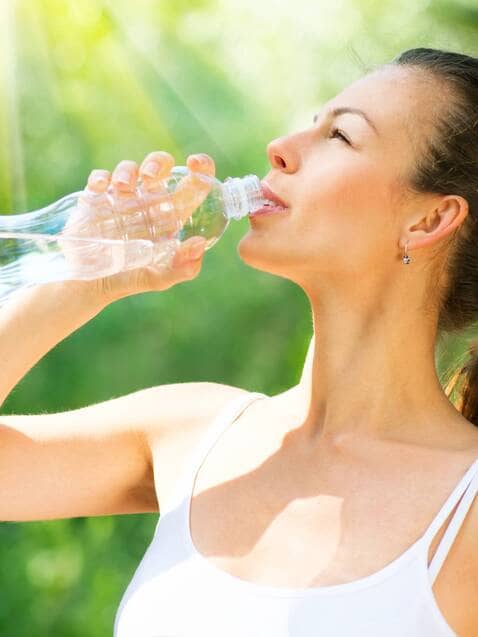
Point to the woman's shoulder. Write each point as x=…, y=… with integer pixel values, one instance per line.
x=184, y=409
x=178, y=416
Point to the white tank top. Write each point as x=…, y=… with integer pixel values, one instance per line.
x=177, y=592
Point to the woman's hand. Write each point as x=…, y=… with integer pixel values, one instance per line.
x=120, y=188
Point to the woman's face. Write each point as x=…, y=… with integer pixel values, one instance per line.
x=347, y=197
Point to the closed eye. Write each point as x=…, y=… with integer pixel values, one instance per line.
x=336, y=132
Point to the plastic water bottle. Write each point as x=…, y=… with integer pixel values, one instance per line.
x=75, y=238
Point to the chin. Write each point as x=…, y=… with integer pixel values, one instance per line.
x=262, y=255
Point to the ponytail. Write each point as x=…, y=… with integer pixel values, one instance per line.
x=463, y=384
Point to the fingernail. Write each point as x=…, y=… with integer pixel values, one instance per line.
x=122, y=178
x=197, y=248
x=151, y=169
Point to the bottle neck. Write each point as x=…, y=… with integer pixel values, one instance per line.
x=242, y=195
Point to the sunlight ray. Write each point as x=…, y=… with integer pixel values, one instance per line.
x=12, y=152
x=125, y=86
x=144, y=55
x=38, y=25
x=142, y=100
x=47, y=121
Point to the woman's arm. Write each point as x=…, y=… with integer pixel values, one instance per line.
x=96, y=460
x=99, y=460
x=32, y=324
x=84, y=462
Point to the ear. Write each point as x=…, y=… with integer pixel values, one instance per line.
x=445, y=216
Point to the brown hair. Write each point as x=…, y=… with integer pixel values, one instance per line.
x=448, y=164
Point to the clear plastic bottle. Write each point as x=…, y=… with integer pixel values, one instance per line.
x=70, y=239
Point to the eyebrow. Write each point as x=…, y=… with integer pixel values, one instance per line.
x=346, y=109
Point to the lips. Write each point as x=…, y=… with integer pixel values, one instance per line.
x=271, y=196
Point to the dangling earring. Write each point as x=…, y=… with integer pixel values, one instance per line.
x=406, y=259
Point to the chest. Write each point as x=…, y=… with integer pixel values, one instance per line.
x=266, y=513
x=265, y=523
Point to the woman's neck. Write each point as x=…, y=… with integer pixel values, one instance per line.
x=380, y=392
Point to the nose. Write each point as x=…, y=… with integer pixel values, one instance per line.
x=282, y=155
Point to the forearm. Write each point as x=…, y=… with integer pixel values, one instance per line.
x=34, y=323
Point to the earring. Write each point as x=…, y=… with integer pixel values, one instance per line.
x=406, y=259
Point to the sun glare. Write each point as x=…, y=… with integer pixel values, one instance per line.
x=12, y=178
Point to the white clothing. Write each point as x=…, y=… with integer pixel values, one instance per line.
x=177, y=592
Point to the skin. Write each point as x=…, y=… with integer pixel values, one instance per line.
x=375, y=330
x=374, y=318
x=120, y=186
x=365, y=303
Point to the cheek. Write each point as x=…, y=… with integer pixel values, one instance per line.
x=340, y=224
x=344, y=214
x=343, y=190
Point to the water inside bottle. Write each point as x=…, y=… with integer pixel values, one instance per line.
x=28, y=259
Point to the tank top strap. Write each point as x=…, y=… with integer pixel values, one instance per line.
x=225, y=417
x=463, y=494
x=232, y=410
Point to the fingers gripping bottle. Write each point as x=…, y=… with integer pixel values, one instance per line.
x=88, y=236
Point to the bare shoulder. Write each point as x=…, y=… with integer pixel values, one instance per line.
x=462, y=589
x=184, y=409
x=175, y=417
x=458, y=590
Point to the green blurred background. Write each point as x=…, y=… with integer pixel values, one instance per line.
x=86, y=83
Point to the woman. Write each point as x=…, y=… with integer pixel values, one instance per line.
x=345, y=505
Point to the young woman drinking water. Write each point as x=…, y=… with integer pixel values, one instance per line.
x=346, y=504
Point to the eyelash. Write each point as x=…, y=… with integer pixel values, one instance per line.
x=337, y=130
